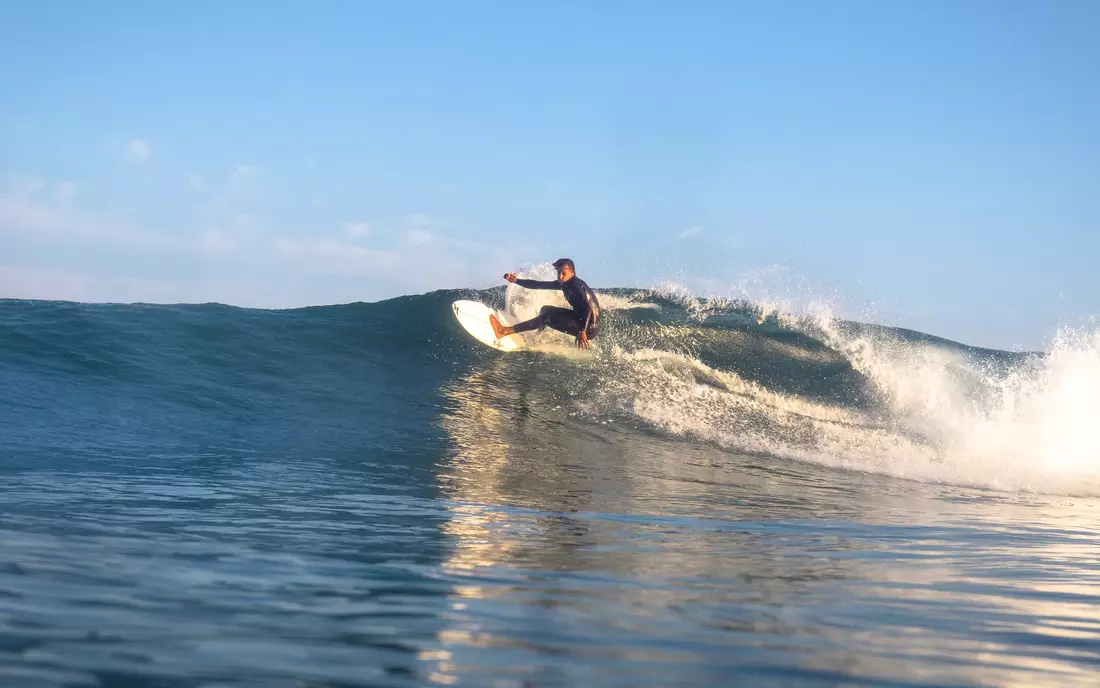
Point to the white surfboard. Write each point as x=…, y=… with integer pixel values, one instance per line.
x=474, y=318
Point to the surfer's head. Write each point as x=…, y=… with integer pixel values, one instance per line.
x=565, y=269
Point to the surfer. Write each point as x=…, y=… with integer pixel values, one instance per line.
x=582, y=321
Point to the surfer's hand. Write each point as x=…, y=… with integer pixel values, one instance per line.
x=582, y=340
x=511, y=276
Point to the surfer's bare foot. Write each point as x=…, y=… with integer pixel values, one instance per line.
x=499, y=330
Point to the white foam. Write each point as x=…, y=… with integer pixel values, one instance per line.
x=767, y=291
x=684, y=396
x=951, y=417
x=947, y=416
x=1033, y=426
x=613, y=302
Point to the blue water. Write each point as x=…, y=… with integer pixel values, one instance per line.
x=362, y=495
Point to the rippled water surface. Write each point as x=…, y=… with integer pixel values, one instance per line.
x=534, y=554
x=343, y=516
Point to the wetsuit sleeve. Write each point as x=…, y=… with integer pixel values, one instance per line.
x=586, y=315
x=536, y=284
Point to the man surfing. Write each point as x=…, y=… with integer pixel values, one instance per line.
x=582, y=321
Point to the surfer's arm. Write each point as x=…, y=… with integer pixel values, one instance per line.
x=590, y=311
x=537, y=284
x=586, y=316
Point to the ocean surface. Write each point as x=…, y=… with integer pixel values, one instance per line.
x=716, y=494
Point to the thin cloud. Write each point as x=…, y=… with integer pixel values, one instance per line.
x=30, y=205
x=239, y=232
x=139, y=150
x=331, y=256
x=24, y=186
x=358, y=230
x=467, y=245
x=216, y=243
x=33, y=282
x=416, y=229
x=196, y=182
x=419, y=237
x=65, y=192
x=421, y=268
x=691, y=232
x=26, y=282
x=48, y=212
x=243, y=172
x=245, y=223
x=26, y=215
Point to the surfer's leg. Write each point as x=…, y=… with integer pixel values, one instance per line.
x=560, y=319
x=563, y=320
x=566, y=320
x=549, y=316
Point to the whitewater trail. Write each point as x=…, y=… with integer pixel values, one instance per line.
x=1026, y=426
x=944, y=415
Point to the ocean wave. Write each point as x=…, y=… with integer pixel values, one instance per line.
x=808, y=387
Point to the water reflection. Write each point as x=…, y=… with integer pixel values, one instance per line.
x=530, y=489
x=576, y=546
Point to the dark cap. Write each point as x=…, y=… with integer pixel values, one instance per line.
x=564, y=261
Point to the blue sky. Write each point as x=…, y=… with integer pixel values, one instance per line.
x=935, y=164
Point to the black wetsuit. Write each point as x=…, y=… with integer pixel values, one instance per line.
x=584, y=315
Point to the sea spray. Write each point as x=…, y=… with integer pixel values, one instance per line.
x=1026, y=423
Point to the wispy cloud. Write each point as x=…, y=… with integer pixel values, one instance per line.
x=36, y=282
x=30, y=205
x=691, y=232
x=246, y=223
x=415, y=254
x=242, y=183
x=24, y=186
x=416, y=229
x=65, y=193
x=216, y=243
x=358, y=230
x=419, y=237
x=333, y=256
x=22, y=213
x=139, y=150
x=423, y=264
x=467, y=245
x=50, y=212
x=23, y=282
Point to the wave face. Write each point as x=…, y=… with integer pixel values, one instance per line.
x=812, y=388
